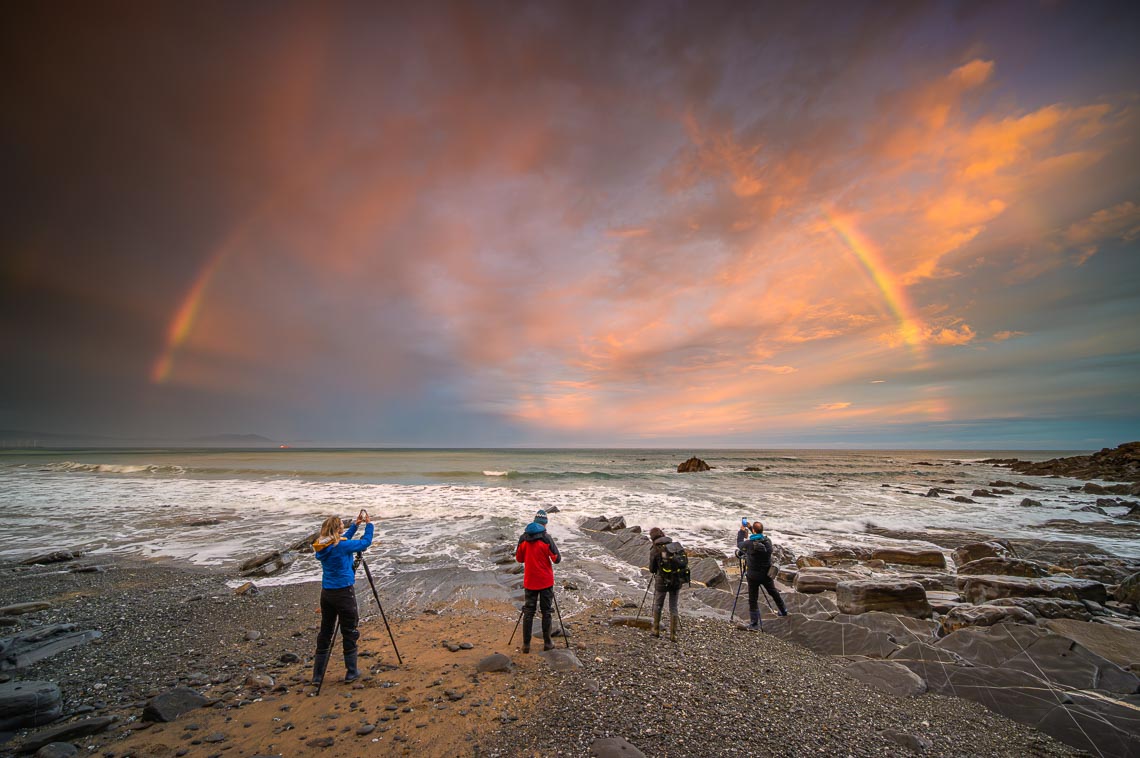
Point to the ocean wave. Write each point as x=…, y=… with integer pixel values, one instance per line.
x=111, y=468
x=496, y=473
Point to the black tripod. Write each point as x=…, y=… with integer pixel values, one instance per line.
x=359, y=561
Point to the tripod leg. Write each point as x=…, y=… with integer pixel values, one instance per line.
x=732, y=615
x=372, y=584
x=565, y=634
x=336, y=627
x=644, y=595
x=512, y=639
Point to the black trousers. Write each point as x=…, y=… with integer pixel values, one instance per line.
x=755, y=581
x=533, y=599
x=338, y=604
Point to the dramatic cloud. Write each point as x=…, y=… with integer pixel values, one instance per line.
x=556, y=224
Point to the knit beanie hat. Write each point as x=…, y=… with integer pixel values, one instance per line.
x=540, y=517
x=533, y=528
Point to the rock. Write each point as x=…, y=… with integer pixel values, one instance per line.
x=453, y=695
x=19, y=609
x=494, y=662
x=614, y=747
x=268, y=564
x=1094, y=489
x=983, y=615
x=811, y=580
x=1003, y=567
x=466, y=646
x=173, y=703
x=252, y=635
x=692, y=465
x=910, y=557
x=561, y=659
x=1093, y=509
x=1036, y=651
x=56, y=556
x=258, y=682
x=979, y=589
x=599, y=524
x=902, y=629
x=38, y=643
x=1102, y=574
x=1120, y=464
x=975, y=550
x=320, y=742
x=67, y=732
x=57, y=750
x=904, y=598
x=1029, y=502
x=249, y=588
x=554, y=509
x=289, y=658
x=638, y=622
x=915, y=743
x=962, y=499
x=1121, y=646
x=982, y=493
x=28, y=703
x=936, y=491
x=888, y=676
x=1046, y=607
x=1129, y=591
x=829, y=637
x=365, y=730
x=708, y=572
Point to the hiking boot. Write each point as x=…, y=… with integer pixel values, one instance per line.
x=546, y=643
x=526, y=646
x=351, y=672
x=672, y=628
x=754, y=617
x=528, y=625
x=320, y=663
x=657, y=623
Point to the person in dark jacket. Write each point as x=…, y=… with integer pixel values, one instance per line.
x=756, y=549
x=663, y=584
x=538, y=554
x=335, y=551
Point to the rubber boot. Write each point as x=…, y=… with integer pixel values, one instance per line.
x=351, y=672
x=546, y=643
x=754, y=617
x=528, y=622
x=320, y=663
x=657, y=622
x=672, y=627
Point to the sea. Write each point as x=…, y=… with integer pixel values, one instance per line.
x=440, y=508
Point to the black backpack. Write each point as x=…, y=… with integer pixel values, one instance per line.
x=675, y=564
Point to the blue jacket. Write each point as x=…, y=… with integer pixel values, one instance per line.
x=336, y=560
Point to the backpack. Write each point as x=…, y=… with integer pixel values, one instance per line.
x=675, y=564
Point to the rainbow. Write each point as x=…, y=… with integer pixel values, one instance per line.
x=911, y=328
x=183, y=323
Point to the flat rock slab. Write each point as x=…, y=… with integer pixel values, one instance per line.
x=561, y=660
x=979, y=589
x=707, y=571
x=19, y=609
x=171, y=704
x=910, y=557
x=28, y=703
x=964, y=616
x=494, y=662
x=1121, y=646
x=67, y=732
x=904, y=629
x=1003, y=566
x=57, y=750
x=1047, y=607
x=638, y=622
x=812, y=579
x=614, y=747
x=888, y=676
x=56, y=556
x=33, y=645
x=830, y=637
x=901, y=597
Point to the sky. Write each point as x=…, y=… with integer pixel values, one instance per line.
x=651, y=224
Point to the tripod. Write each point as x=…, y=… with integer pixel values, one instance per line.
x=359, y=561
x=645, y=595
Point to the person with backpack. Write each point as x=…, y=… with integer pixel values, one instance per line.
x=669, y=566
x=538, y=554
x=756, y=549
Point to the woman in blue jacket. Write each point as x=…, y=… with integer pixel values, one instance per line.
x=335, y=551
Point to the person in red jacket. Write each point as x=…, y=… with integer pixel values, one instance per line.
x=538, y=554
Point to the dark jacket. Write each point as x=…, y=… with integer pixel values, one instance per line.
x=656, y=551
x=757, y=551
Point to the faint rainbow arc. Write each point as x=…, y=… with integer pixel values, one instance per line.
x=183, y=323
x=911, y=328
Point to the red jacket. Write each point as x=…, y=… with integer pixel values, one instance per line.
x=536, y=557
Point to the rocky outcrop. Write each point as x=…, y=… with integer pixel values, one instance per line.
x=979, y=589
x=1129, y=591
x=975, y=550
x=910, y=557
x=887, y=676
x=37, y=643
x=811, y=580
x=1047, y=607
x=899, y=597
x=707, y=572
x=965, y=616
x=1119, y=464
x=1028, y=502
x=830, y=637
x=694, y=464
x=1003, y=567
x=30, y=703
x=267, y=564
